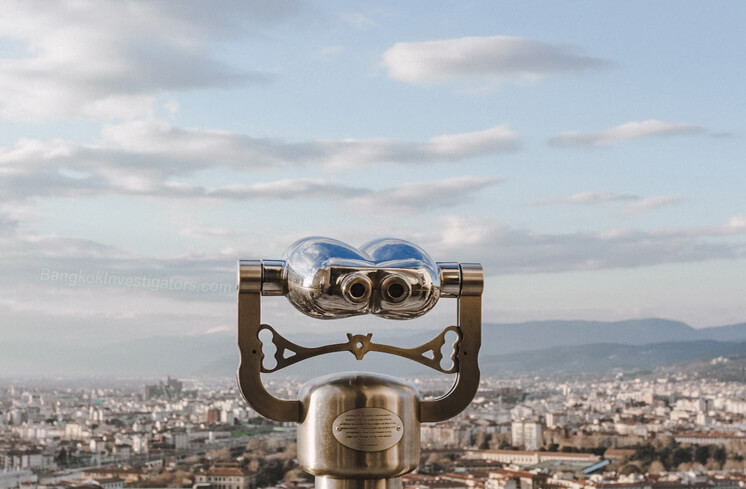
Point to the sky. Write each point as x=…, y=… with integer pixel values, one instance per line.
x=589, y=154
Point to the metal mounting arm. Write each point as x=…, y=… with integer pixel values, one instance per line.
x=462, y=281
x=250, y=368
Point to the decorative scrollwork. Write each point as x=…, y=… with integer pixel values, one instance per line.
x=287, y=353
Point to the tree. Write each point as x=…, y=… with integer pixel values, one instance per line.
x=656, y=467
x=221, y=455
x=681, y=456
x=629, y=468
x=433, y=458
x=296, y=473
x=192, y=460
x=177, y=478
x=482, y=440
x=644, y=453
x=720, y=455
x=254, y=444
x=701, y=454
x=733, y=465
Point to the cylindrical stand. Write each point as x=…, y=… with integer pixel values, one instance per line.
x=359, y=431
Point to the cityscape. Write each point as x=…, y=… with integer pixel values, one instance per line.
x=660, y=430
x=564, y=179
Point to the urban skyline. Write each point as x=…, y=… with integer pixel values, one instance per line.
x=671, y=430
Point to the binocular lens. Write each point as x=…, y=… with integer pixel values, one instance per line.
x=395, y=289
x=356, y=288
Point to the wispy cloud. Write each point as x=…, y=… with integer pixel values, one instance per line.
x=284, y=189
x=505, y=249
x=154, y=158
x=419, y=196
x=650, y=203
x=405, y=198
x=341, y=155
x=588, y=198
x=634, y=204
x=491, y=59
x=625, y=132
x=112, y=59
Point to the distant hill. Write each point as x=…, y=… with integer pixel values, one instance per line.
x=605, y=357
x=726, y=367
x=540, y=346
x=536, y=335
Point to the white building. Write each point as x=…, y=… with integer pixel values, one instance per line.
x=226, y=478
x=21, y=459
x=526, y=434
x=555, y=420
x=181, y=440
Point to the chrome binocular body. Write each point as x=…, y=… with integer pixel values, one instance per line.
x=359, y=430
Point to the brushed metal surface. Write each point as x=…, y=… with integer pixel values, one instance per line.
x=324, y=399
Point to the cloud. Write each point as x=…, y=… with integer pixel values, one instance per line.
x=589, y=198
x=634, y=203
x=736, y=224
x=154, y=158
x=492, y=59
x=650, y=203
x=341, y=155
x=625, y=132
x=190, y=148
x=284, y=189
x=406, y=198
x=419, y=196
x=505, y=249
x=112, y=59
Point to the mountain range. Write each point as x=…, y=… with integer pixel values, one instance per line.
x=539, y=346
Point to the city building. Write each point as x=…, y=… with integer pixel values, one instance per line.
x=226, y=477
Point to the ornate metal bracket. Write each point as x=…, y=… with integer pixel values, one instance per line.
x=287, y=353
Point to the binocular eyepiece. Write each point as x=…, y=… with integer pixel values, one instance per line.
x=328, y=279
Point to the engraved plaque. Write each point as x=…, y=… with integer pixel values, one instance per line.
x=368, y=429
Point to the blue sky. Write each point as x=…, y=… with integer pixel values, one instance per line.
x=589, y=154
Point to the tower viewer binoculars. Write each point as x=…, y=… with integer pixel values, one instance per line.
x=359, y=430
